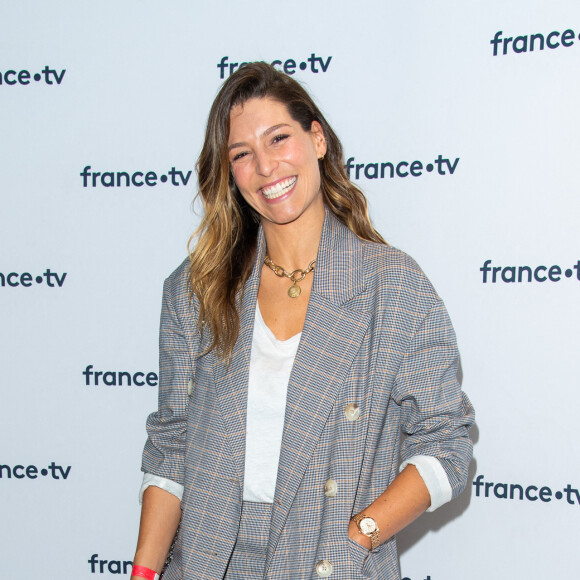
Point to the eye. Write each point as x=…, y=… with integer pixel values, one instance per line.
x=280, y=138
x=240, y=155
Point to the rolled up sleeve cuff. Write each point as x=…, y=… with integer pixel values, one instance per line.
x=167, y=484
x=435, y=478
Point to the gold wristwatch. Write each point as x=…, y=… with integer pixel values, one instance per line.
x=368, y=527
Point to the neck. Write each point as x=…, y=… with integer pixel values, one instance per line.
x=293, y=245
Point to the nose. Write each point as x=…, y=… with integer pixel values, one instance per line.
x=265, y=163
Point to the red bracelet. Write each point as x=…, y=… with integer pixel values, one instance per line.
x=143, y=572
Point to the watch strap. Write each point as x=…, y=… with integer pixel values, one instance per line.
x=374, y=535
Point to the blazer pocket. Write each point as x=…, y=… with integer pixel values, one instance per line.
x=359, y=555
x=363, y=560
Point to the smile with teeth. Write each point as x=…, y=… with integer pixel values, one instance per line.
x=278, y=189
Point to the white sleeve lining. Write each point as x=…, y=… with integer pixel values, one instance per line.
x=167, y=484
x=435, y=478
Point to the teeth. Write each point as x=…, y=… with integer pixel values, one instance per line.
x=279, y=189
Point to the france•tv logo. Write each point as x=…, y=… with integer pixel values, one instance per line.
x=49, y=75
x=314, y=64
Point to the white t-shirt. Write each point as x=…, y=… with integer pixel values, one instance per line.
x=270, y=367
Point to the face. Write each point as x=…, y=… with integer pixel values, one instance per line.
x=274, y=162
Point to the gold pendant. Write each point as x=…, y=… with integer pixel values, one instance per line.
x=294, y=291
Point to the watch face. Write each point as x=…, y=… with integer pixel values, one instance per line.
x=368, y=526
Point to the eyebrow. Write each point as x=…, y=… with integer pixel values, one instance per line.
x=264, y=134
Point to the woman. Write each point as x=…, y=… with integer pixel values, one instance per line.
x=295, y=347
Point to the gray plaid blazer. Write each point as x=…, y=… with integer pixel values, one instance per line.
x=376, y=334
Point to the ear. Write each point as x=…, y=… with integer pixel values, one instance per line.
x=318, y=138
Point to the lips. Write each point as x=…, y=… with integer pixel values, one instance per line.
x=279, y=188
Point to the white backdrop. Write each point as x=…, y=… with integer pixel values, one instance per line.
x=125, y=87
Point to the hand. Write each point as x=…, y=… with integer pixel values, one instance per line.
x=357, y=536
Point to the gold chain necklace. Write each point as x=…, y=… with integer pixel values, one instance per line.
x=295, y=276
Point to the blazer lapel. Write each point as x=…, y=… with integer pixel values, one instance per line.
x=331, y=338
x=232, y=381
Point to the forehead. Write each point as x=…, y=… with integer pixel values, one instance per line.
x=257, y=115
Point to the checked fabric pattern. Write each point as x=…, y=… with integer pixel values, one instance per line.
x=376, y=334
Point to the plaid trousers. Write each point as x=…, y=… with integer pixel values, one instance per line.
x=249, y=556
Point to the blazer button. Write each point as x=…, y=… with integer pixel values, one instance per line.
x=189, y=387
x=323, y=568
x=352, y=412
x=330, y=488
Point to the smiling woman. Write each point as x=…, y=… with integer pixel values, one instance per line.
x=223, y=247
x=275, y=163
x=276, y=444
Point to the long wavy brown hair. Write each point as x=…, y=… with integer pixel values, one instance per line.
x=222, y=249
